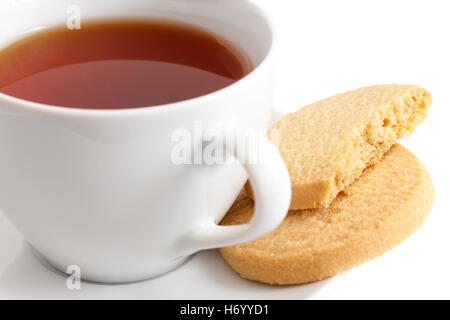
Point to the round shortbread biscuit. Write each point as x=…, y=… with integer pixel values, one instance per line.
x=327, y=145
x=388, y=203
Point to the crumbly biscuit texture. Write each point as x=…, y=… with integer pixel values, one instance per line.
x=328, y=144
x=389, y=202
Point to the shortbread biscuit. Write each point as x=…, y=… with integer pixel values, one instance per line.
x=389, y=202
x=328, y=144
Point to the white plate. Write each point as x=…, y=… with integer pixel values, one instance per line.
x=417, y=269
x=23, y=275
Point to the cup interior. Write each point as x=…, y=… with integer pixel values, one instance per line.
x=239, y=21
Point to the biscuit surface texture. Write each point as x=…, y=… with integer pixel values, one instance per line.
x=389, y=202
x=328, y=144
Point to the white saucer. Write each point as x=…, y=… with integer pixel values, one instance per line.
x=23, y=275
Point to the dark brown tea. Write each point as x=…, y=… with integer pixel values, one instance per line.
x=119, y=64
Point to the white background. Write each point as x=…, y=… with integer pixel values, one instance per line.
x=325, y=47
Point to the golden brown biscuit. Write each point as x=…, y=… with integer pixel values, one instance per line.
x=382, y=208
x=328, y=144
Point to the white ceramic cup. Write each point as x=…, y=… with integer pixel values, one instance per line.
x=98, y=189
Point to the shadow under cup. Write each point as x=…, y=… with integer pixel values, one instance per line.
x=96, y=188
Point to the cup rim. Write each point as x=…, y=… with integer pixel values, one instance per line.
x=158, y=109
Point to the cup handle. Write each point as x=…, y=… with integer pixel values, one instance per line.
x=272, y=193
